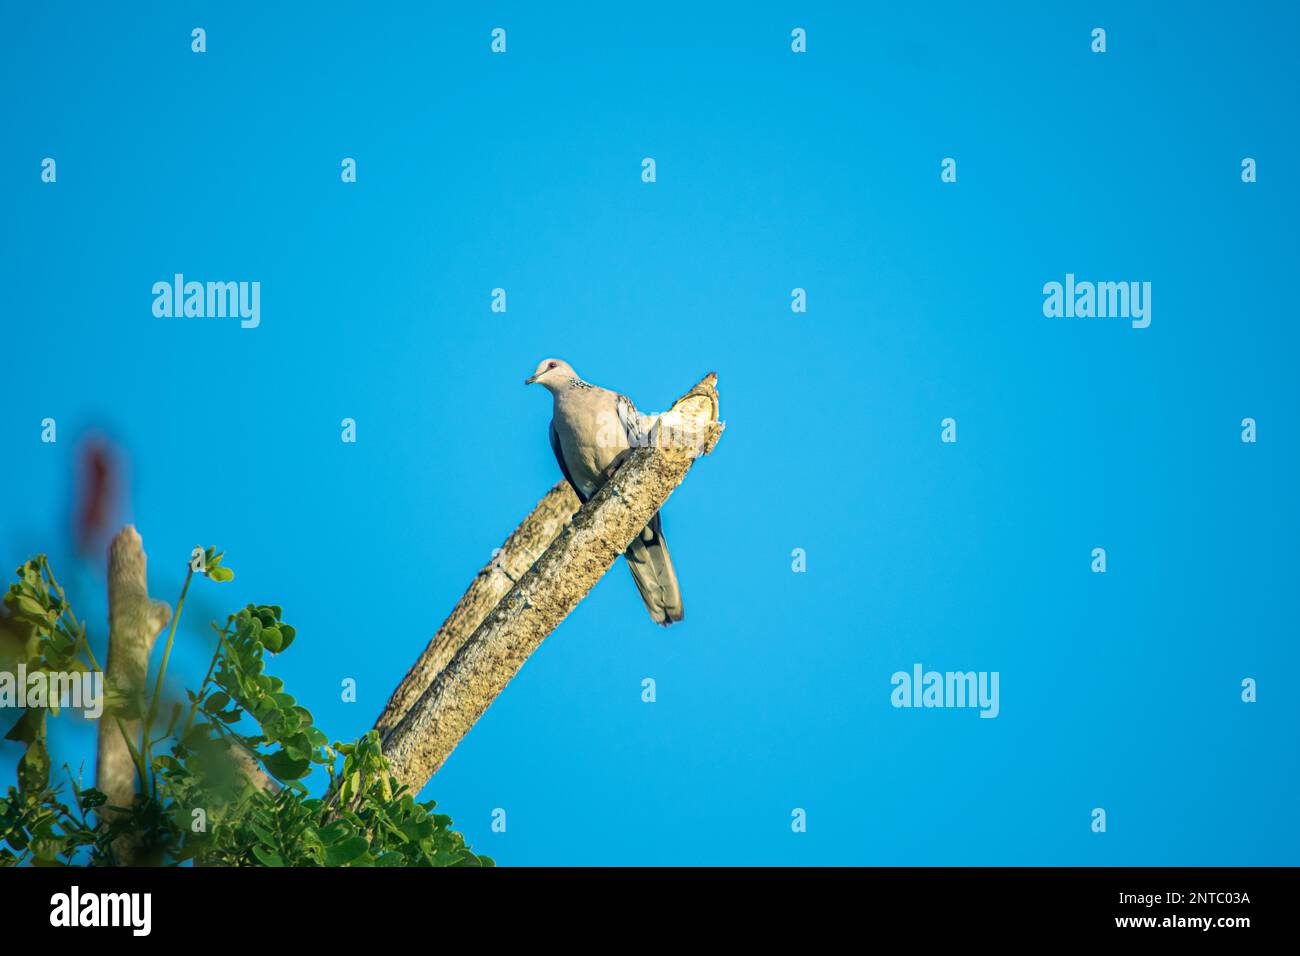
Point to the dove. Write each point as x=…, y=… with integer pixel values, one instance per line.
x=590, y=427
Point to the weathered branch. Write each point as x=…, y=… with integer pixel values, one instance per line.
x=479, y=670
x=134, y=622
x=519, y=552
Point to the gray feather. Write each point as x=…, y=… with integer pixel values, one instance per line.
x=592, y=426
x=652, y=570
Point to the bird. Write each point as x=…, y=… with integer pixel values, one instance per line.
x=590, y=427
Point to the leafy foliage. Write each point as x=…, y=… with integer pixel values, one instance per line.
x=201, y=799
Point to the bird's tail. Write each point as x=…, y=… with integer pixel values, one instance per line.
x=652, y=570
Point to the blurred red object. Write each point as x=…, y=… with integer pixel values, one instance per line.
x=99, y=480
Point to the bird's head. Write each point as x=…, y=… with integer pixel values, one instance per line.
x=551, y=373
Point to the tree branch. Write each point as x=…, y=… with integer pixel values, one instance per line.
x=519, y=552
x=134, y=623
x=421, y=740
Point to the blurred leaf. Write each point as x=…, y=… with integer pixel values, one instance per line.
x=34, y=768
x=28, y=727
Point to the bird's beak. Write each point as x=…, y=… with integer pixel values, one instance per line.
x=530, y=379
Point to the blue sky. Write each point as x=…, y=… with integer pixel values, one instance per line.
x=774, y=171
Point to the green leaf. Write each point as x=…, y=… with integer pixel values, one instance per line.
x=24, y=606
x=267, y=857
x=30, y=572
x=297, y=747
x=250, y=628
x=283, y=767
x=345, y=851
x=334, y=832
x=272, y=639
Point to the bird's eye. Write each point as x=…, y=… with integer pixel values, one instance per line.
x=552, y=365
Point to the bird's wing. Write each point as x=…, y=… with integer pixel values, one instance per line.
x=559, y=457
x=631, y=421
